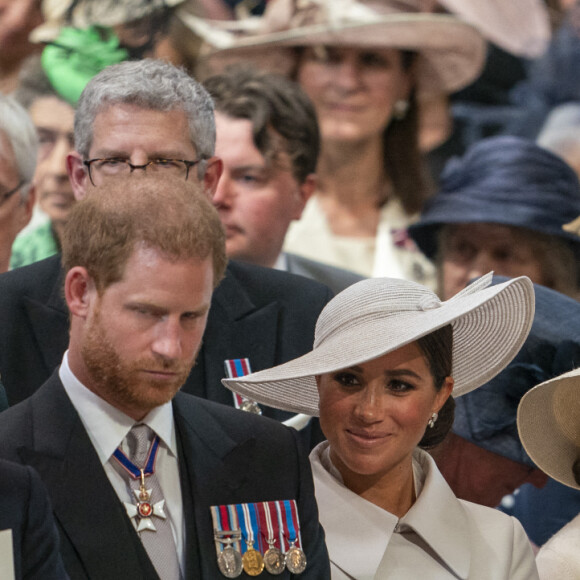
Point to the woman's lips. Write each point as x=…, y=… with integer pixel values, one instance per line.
x=367, y=438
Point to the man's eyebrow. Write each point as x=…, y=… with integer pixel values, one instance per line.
x=122, y=153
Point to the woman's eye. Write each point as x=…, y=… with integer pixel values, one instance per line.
x=346, y=379
x=371, y=59
x=399, y=386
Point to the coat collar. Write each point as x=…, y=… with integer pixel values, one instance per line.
x=436, y=509
x=440, y=519
x=222, y=465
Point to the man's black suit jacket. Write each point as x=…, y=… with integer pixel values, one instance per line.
x=25, y=509
x=256, y=313
x=226, y=456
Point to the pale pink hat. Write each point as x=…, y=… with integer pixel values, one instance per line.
x=451, y=51
x=521, y=27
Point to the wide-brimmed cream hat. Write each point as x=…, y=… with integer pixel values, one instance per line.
x=379, y=315
x=86, y=13
x=451, y=51
x=549, y=426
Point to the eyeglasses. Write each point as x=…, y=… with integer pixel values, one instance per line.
x=115, y=166
x=4, y=197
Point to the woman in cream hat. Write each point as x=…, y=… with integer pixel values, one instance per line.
x=364, y=65
x=386, y=358
x=549, y=428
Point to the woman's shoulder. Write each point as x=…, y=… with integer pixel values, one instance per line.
x=559, y=557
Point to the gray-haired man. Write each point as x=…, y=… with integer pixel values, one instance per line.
x=135, y=118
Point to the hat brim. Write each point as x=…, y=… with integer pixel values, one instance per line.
x=549, y=426
x=115, y=16
x=451, y=52
x=479, y=319
x=464, y=210
x=522, y=27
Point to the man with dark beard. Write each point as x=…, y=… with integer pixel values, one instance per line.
x=136, y=470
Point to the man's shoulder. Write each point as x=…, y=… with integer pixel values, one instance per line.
x=337, y=279
x=231, y=419
x=265, y=284
x=37, y=279
x=18, y=421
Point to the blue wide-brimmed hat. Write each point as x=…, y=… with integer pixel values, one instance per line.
x=504, y=180
x=487, y=416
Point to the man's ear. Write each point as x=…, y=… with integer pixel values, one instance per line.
x=79, y=290
x=213, y=171
x=77, y=174
x=305, y=191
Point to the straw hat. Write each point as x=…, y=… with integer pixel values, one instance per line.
x=380, y=315
x=451, y=51
x=86, y=13
x=549, y=426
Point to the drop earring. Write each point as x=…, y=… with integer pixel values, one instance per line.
x=400, y=109
x=432, y=420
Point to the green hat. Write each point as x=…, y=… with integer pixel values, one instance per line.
x=77, y=55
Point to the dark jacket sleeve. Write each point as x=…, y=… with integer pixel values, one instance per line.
x=29, y=516
x=312, y=533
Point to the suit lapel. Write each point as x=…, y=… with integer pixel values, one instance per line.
x=89, y=512
x=214, y=468
x=236, y=329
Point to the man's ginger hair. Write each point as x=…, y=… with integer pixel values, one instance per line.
x=163, y=213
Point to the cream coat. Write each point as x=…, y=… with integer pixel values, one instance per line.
x=559, y=558
x=391, y=253
x=440, y=538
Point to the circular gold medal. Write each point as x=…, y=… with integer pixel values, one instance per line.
x=274, y=561
x=253, y=562
x=295, y=560
x=230, y=562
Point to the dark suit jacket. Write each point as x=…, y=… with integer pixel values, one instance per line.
x=25, y=509
x=337, y=279
x=225, y=457
x=257, y=313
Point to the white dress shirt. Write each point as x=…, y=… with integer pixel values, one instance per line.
x=107, y=428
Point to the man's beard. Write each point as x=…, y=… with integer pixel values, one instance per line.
x=120, y=382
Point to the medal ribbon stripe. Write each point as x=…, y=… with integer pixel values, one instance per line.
x=131, y=468
x=273, y=518
x=295, y=522
x=246, y=525
x=260, y=544
x=235, y=525
x=291, y=522
x=284, y=543
x=237, y=367
x=264, y=525
x=224, y=520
